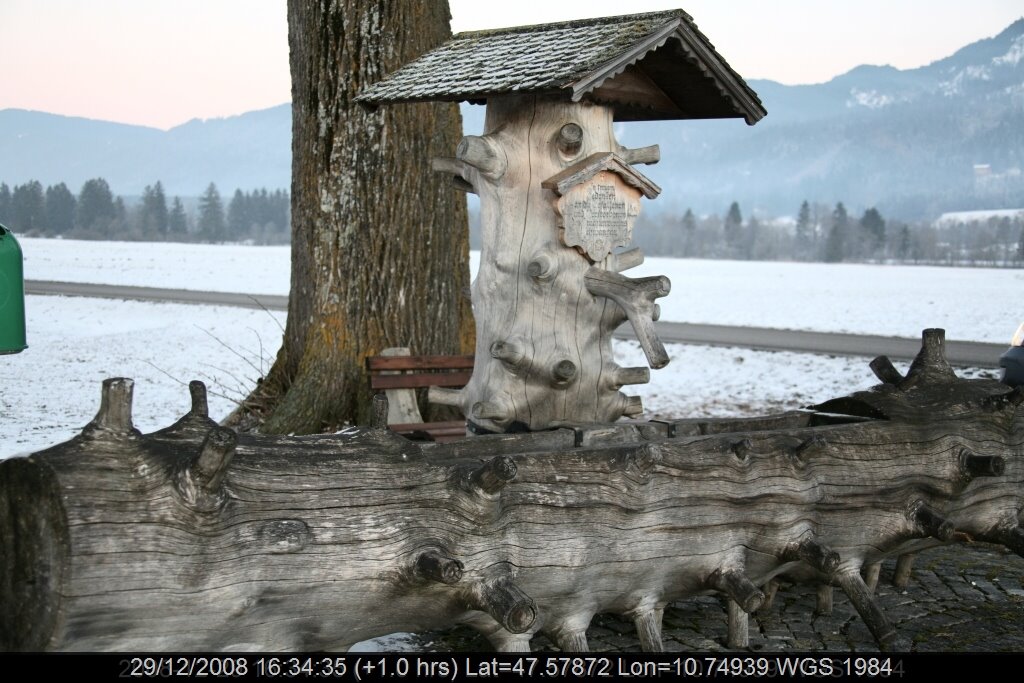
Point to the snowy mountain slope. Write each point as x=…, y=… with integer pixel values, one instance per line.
x=906, y=141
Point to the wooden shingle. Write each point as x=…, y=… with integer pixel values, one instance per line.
x=652, y=66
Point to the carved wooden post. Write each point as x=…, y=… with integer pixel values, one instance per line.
x=555, y=201
x=558, y=199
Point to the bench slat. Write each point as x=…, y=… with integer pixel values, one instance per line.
x=426, y=379
x=429, y=426
x=402, y=373
x=435, y=431
x=379, y=363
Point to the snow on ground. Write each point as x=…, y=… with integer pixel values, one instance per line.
x=203, y=267
x=51, y=390
x=971, y=304
x=975, y=304
x=703, y=381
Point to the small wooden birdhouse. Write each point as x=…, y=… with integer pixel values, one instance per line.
x=559, y=198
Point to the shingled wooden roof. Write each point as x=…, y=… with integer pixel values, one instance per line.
x=653, y=66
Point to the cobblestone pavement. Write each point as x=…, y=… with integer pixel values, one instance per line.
x=959, y=599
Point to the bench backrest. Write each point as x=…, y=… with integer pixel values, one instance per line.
x=413, y=372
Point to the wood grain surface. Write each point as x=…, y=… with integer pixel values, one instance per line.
x=191, y=538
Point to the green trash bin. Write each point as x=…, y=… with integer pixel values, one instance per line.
x=12, y=295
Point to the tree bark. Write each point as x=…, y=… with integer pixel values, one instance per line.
x=380, y=244
x=193, y=539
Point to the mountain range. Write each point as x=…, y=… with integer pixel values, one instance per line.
x=914, y=143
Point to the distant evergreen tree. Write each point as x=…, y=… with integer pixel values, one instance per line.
x=803, y=221
x=835, y=245
x=60, y=210
x=155, y=219
x=280, y=214
x=96, y=213
x=96, y=210
x=903, y=250
x=177, y=221
x=689, y=234
x=5, y=203
x=689, y=221
x=211, y=224
x=119, y=226
x=261, y=206
x=240, y=218
x=873, y=226
x=28, y=208
x=1020, y=245
x=751, y=248
x=804, y=231
x=733, y=229
x=258, y=215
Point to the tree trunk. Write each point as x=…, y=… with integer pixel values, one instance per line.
x=194, y=539
x=380, y=245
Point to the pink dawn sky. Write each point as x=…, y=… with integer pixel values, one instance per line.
x=162, y=62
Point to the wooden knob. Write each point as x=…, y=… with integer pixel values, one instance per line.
x=570, y=139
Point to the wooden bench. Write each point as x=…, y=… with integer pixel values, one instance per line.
x=399, y=374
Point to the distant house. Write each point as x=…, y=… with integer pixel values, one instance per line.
x=988, y=182
x=954, y=218
x=647, y=67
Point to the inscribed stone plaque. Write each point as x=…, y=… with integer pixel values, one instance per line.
x=598, y=215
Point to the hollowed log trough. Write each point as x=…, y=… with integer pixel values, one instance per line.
x=193, y=538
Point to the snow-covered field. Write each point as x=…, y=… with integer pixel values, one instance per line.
x=52, y=389
x=49, y=391
x=975, y=304
x=204, y=267
x=971, y=304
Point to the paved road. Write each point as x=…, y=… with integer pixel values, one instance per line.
x=974, y=354
x=184, y=296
